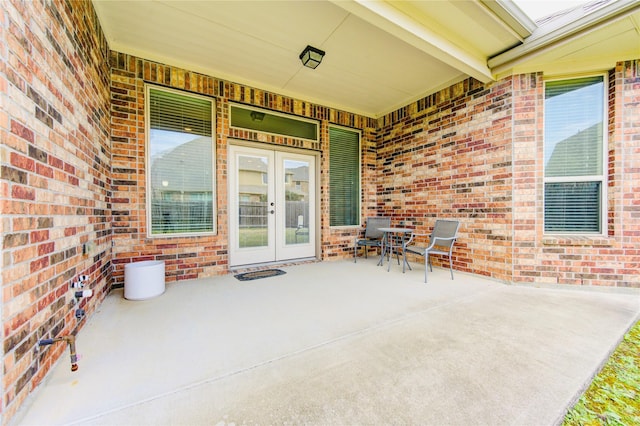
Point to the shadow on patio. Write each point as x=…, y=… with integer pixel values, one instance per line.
x=336, y=343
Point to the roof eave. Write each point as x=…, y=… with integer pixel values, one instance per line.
x=512, y=15
x=542, y=40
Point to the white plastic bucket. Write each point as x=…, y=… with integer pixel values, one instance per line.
x=143, y=280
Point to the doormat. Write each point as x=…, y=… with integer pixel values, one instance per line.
x=248, y=276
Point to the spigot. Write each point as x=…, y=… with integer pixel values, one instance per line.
x=71, y=341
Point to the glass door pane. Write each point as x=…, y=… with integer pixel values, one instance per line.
x=295, y=206
x=296, y=184
x=252, y=237
x=253, y=208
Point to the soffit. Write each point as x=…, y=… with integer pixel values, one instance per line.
x=380, y=55
x=474, y=28
x=593, y=52
x=590, y=38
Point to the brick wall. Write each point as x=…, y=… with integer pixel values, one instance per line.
x=473, y=152
x=449, y=155
x=611, y=260
x=72, y=159
x=528, y=187
x=194, y=257
x=55, y=165
x=624, y=163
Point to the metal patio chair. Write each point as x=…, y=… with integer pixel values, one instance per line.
x=441, y=240
x=372, y=235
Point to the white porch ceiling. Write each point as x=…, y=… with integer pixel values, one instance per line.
x=372, y=64
x=380, y=55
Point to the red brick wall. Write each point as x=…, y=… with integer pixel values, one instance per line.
x=55, y=188
x=624, y=165
x=449, y=155
x=194, y=257
x=72, y=171
x=528, y=187
x=473, y=152
x=612, y=260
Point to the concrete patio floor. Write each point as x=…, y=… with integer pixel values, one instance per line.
x=336, y=343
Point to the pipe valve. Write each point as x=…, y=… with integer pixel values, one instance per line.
x=83, y=293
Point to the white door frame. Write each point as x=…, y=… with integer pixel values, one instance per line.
x=275, y=247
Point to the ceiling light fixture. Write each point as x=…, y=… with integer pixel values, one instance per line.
x=256, y=116
x=311, y=57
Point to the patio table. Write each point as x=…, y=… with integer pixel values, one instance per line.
x=390, y=239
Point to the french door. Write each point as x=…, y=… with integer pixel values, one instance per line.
x=271, y=205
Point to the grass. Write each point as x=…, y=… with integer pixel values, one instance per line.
x=613, y=398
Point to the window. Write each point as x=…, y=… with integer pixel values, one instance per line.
x=272, y=122
x=574, y=143
x=180, y=163
x=344, y=177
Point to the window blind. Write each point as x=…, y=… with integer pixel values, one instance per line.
x=179, y=113
x=572, y=206
x=344, y=177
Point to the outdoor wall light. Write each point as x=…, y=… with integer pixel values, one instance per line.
x=311, y=57
x=257, y=116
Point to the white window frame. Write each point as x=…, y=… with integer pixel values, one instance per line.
x=602, y=178
x=276, y=114
x=150, y=234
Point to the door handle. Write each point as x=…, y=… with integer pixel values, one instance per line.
x=272, y=211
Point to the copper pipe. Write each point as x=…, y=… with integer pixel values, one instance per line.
x=71, y=341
